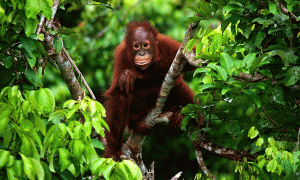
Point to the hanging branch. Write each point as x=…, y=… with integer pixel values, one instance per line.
x=238, y=155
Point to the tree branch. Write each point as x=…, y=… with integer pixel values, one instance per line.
x=202, y=165
x=238, y=155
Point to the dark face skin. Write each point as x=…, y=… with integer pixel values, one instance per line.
x=143, y=47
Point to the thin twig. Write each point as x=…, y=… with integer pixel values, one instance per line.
x=269, y=117
x=78, y=71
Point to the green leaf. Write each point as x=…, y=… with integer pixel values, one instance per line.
x=31, y=77
x=249, y=59
x=46, y=7
x=201, y=70
x=133, y=169
x=97, y=125
x=253, y=97
x=272, y=165
x=32, y=8
x=271, y=141
x=92, y=107
x=3, y=123
x=28, y=167
x=259, y=38
x=273, y=8
x=57, y=43
x=64, y=157
x=259, y=141
x=78, y=148
x=288, y=57
x=30, y=26
x=253, y=132
x=29, y=46
x=207, y=79
x=4, y=156
x=100, y=108
x=38, y=169
x=226, y=62
x=278, y=95
x=7, y=60
x=45, y=100
x=292, y=76
x=216, y=43
x=97, y=166
x=264, y=22
x=108, y=169
x=222, y=75
x=120, y=172
x=97, y=144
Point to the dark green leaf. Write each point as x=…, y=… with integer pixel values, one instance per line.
x=7, y=60
x=29, y=46
x=292, y=76
x=277, y=94
x=259, y=38
x=97, y=144
x=253, y=97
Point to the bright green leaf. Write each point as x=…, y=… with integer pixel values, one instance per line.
x=259, y=141
x=221, y=72
x=273, y=8
x=38, y=169
x=4, y=156
x=272, y=165
x=30, y=26
x=64, y=157
x=46, y=7
x=253, y=132
x=226, y=62
x=28, y=167
x=32, y=8
x=249, y=59
x=78, y=148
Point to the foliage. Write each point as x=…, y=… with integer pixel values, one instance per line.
x=251, y=80
x=275, y=163
x=37, y=142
